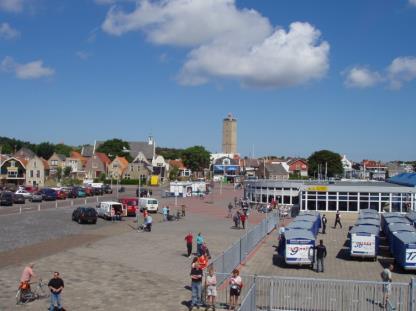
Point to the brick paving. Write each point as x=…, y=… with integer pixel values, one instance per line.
x=116, y=268
x=337, y=264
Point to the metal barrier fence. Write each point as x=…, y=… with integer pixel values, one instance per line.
x=238, y=252
x=284, y=293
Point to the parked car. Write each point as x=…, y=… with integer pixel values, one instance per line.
x=61, y=194
x=36, y=197
x=104, y=209
x=19, y=199
x=76, y=192
x=6, y=198
x=31, y=189
x=143, y=192
x=48, y=194
x=151, y=204
x=107, y=189
x=98, y=190
x=85, y=214
x=25, y=193
x=130, y=205
x=89, y=191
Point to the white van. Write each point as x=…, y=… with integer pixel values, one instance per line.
x=151, y=204
x=104, y=209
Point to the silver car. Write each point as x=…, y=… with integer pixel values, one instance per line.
x=36, y=197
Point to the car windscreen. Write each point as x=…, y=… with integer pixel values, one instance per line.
x=132, y=203
x=152, y=202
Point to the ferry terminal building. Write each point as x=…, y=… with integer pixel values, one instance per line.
x=345, y=196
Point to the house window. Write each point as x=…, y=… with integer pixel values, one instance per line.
x=54, y=162
x=12, y=163
x=31, y=173
x=37, y=174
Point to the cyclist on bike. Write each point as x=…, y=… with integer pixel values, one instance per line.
x=26, y=277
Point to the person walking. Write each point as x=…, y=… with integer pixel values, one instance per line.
x=320, y=255
x=236, y=219
x=183, y=207
x=196, y=284
x=56, y=285
x=189, y=239
x=236, y=284
x=337, y=220
x=165, y=213
x=324, y=221
x=211, y=285
x=230, y=210
x=387, y=279
x=26, y=277
x=243, y=218
x=199, y=242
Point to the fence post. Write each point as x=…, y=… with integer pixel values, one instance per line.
x=412, y=302
x=72, y=202
x=271, y=295
x=56, y=204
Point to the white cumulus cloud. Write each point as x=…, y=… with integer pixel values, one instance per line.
x=31, y=70
x=227, y=42
x=361, y=77
x=11, y=5
x=401, y=70
x=83, y=55
x=8, y=32
x=412, y=2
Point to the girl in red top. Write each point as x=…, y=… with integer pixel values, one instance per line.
x=243, y=219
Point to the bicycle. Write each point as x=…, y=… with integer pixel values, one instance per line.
x=23, y=296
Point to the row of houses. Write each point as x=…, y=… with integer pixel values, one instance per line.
x=25, y=167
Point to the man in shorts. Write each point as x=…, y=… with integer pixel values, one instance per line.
x=387, y=279
x=211, y=283
x=26, y=277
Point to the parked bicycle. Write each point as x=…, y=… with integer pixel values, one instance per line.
x=40, y=291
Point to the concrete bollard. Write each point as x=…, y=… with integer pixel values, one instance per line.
x=85, y=201
x=38, y=207
x=20, y=210
x=97, y=199
x=56, y=204
x=72, y=202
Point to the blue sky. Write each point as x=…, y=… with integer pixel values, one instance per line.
x=299, y=75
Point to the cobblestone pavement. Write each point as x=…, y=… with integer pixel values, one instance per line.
x=114, y=267
x=337, y=264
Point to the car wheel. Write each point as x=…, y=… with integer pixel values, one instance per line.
x=79, y=221
x=94, y=222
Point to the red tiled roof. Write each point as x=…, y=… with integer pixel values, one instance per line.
x=123, y=162
x=178, y=163
x=45, y=163
x=103, y=157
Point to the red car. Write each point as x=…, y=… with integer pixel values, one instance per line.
x=89, y=191
x=131, y=204
x=31, y=189
x=61, y=195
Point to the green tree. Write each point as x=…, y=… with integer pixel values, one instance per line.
x=45, y=150
x=169, y=153
x=67, y=171
x=102, y=177
x=196, y=158
x=325, y=159
x=63, y=149
x=115, y=147
x=59, y=173
x=173, y=173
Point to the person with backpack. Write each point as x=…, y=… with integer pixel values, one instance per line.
x=236, y=219
x=199, y=242
x=236, y=284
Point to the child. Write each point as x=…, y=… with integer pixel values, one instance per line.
x=211, y=288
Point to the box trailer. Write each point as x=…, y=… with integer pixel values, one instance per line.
x=404, y=249
x=297, y=247
x=364, y=241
